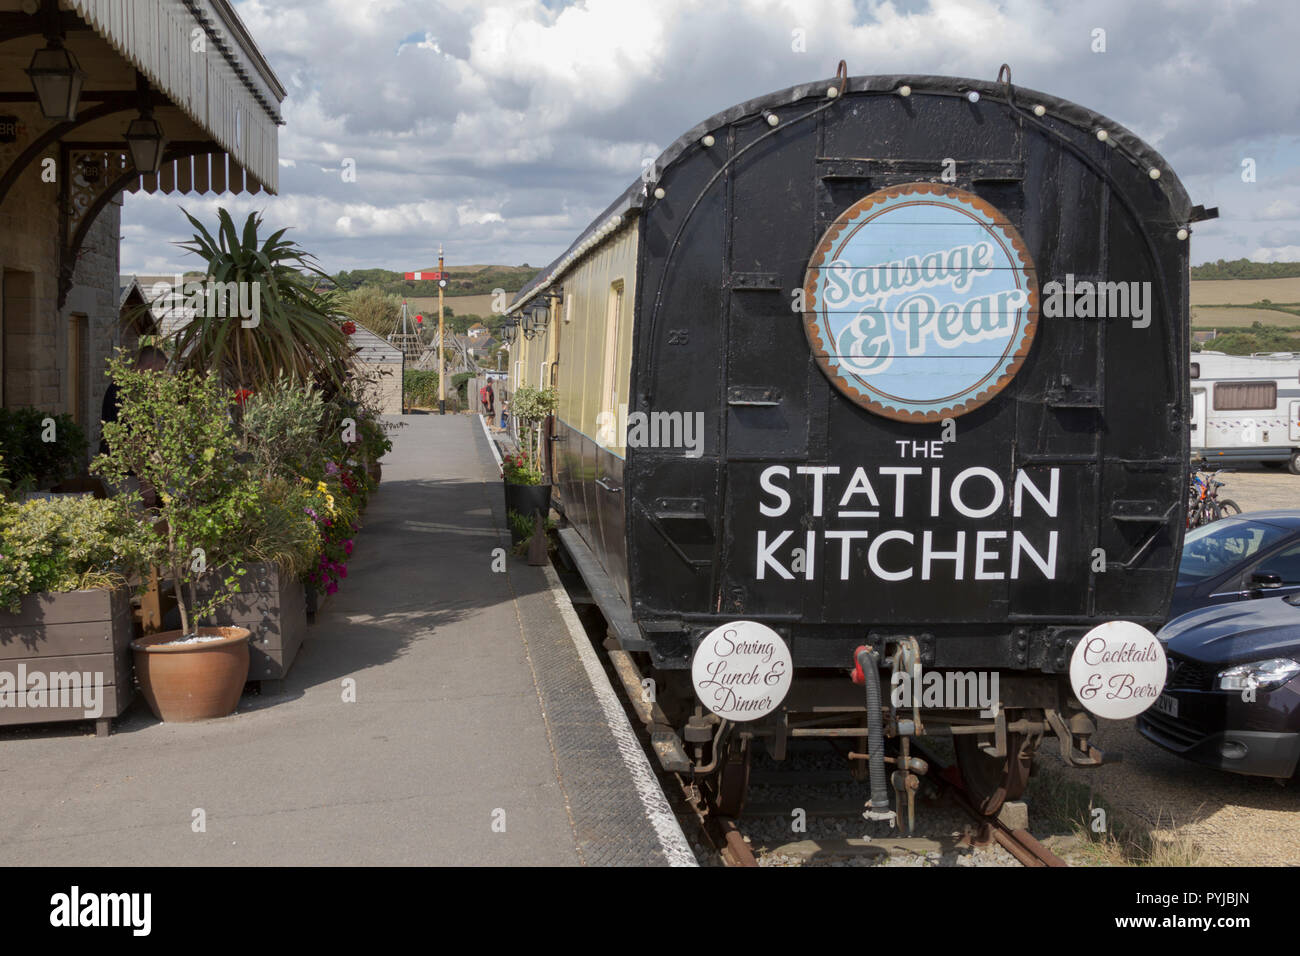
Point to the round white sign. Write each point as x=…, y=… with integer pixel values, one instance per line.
x=742, y=670
x=1118, y=670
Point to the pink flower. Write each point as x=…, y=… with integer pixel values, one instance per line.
x=332, y=588
x=343, y=571
x=347, y=546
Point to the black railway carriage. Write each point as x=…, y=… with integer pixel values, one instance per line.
x=934, y=332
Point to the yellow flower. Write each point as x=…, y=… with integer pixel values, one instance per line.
x=321, y=487
x=329, y=502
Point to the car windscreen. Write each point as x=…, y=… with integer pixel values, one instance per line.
x=1213, y=549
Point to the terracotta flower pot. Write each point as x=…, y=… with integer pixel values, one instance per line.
x=185, y=682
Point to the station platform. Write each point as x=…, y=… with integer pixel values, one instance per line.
x=483, y=731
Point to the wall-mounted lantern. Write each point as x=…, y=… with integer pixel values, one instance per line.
x=145, y=139
x=57, y=79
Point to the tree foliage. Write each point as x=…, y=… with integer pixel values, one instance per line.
x=1246, y=269
x=175, y=435
x=378, y=311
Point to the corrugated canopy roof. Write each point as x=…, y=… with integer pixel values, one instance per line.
x=230, y=90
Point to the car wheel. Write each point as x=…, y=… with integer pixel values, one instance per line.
x=1293, y=465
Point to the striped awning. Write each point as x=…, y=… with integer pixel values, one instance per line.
x=203, y=173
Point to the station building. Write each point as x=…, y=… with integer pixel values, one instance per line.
x=99, y=98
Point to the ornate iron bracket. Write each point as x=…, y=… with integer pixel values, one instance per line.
x=92, y=178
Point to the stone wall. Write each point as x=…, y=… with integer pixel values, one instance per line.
x=384, y=389
x=95, y=295
x=35, y=351
x=29, y=250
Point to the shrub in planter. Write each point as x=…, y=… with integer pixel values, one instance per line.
x=530, y=407
x=526, y=493
x=174, y=433
x=373, y=442
x=284, y=546
x=65, y=615
x=281, y=429
x=307, y=453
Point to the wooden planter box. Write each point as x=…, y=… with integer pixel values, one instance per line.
x=317, y=598
x=274, y=609
x=87, y=632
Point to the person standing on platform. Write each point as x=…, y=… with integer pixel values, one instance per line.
x=491, y=402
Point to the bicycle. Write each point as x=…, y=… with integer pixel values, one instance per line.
x=1203, y=502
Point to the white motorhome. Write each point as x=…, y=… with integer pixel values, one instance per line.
x=1246, y=408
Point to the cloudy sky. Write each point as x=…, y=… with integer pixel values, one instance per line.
x=500, y=128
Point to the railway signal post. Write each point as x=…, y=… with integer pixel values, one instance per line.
x=441, y=277
x=442, y=341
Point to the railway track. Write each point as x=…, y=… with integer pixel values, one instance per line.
x=726, y=835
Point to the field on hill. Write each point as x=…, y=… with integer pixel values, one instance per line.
x=476, y=304
x=1220, y=317
x=1245, y=291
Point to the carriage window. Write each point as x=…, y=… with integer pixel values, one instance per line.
x=609, y=392
x=1241, y=396
x=1196, y=370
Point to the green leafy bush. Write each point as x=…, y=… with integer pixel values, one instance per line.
x=282, y=429
x=174, y=434
x=39, y=448
x=67, y=543
x=282, y=530
x=420, y=388
x=530, y=406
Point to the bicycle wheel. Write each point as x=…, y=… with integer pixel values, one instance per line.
x=1226, y=506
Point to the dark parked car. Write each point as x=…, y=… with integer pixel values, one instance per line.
x=1254, y=555
x=1232, y=698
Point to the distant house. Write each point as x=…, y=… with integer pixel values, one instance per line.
x=1205, y=336
x=477, y=330
x=167, y=303
x=134, y=317
x=382, y=363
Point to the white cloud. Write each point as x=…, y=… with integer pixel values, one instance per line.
x=501, y=127
x=1276, y=254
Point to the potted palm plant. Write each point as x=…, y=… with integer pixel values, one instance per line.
x=174, y=434
x=293, y=329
